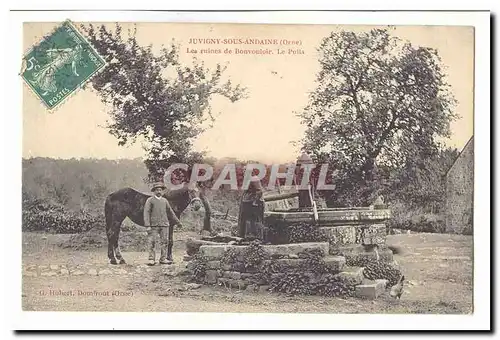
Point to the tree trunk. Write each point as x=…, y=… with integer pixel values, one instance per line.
x=368, y=169
x=208, y=212
x=368, y=178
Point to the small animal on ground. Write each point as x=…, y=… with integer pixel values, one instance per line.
x=397, y=289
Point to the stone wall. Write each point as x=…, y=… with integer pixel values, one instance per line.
x=338, y=227
x=235, y=273
x=460, y=192
x=300, y=268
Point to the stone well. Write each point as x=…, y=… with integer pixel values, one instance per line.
x=345, y=229
x=235, y=275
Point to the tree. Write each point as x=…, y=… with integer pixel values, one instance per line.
x=154, y=97
x=377, y=100
x=151, y=95
x=421, y=182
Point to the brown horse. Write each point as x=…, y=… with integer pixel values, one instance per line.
x=130, y=203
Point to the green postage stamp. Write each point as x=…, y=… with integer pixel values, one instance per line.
x=60, y=64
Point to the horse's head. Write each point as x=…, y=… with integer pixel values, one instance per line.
x=194, y=196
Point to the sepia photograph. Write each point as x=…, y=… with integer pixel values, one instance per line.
x=247, y=168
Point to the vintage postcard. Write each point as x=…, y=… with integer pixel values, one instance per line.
x=248, y=168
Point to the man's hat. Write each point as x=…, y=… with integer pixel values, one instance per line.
x=157, y=185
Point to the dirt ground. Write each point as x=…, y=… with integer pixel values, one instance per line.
x=438, y=268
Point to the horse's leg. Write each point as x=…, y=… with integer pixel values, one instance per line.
x=115, y=214
x=116, y=245
x=111, y=245
x=170, y=242
x=110, y=226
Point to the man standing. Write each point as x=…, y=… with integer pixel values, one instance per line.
x=157, y=214
x=251, y=218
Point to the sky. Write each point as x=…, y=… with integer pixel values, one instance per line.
x=260, y=127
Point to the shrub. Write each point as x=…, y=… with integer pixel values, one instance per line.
x=304, y=279
x=292, y=283
x=415, y=220
x=252, y=257
x=42, y=216
x=304, y=232
x=198, y=268
x=331, y=285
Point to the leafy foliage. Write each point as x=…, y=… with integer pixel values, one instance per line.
x=252, y=257
x=421, y=181
x=330, y=285
x=416, y=220
x=313, y=261
x=293, y=283
x=379, y=103
x=311, y=277
x=42, y=216
x=304, y=232
x=229, y=256
x=382, y=270
x=153, y=96
x=198, y=268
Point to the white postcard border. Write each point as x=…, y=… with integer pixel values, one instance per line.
x=17, y=319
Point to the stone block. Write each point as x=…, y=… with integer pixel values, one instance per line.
x=375, y=215
x=239, y=284
x=362, y=259
x=276, y=276
x=239, y=267
x=231, y=283
x=213, y=264
x=193, y=245
x=214, y=252
x=211, y=276
x=225, y=266
x=371, y=234
x=245, y=276
x=264, y=288
x=330, y=216
x=335, y=263
x=292, y=263
x=340, y=234
x=253, y=287
x=296, y=248
x=222, y=281
x=191, y=286
x=352, y=275
x=343, y=249
x=370, y=289
x=235, y=275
